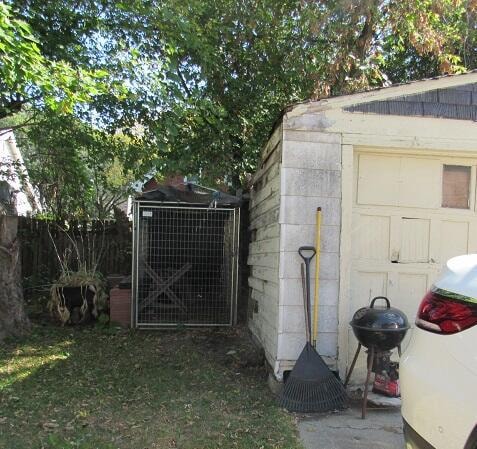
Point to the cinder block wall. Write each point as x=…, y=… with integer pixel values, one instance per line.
x=310, y=178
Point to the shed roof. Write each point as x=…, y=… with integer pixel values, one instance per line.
x=384, y=93
x=192, y=195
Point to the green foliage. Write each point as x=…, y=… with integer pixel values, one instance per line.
x=205, y=81
x=80, y=171
x=27, y=76
x=227, y=69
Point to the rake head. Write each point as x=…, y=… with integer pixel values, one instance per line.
x=311, y=386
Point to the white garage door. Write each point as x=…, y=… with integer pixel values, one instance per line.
x=411, y=213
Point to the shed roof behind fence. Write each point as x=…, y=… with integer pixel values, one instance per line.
x=192, y=195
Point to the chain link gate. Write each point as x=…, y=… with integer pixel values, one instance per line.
x=185, y=265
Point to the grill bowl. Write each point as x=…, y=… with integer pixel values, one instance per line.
x=380, y=327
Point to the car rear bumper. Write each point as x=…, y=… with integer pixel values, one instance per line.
x=413, y=439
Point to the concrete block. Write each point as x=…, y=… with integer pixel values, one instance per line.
x=290, y=263
x=294, y=236
x=291, y=292
x=312, y=155
x=327, y=319
x=306, y=182
x=310, y=136
x=329, y=292
x=290, y=345
x=302, y=210
x=327, y=344
x=292, y=319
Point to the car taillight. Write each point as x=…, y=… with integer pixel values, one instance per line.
x=445, y=315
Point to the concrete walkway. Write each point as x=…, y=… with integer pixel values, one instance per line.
x=382, y=429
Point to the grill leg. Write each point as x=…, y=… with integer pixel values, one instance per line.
x=351, y=368
x=366, y=385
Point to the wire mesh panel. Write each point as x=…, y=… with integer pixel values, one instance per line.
x=185, y=265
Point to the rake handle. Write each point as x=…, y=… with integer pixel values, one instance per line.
x=305, y=307
x=307, y=259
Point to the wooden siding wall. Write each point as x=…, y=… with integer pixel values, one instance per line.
x=458, y=103
x=264, y=248
x=40, y=265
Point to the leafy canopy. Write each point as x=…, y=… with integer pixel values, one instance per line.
x=204, y=81
x=27, y=76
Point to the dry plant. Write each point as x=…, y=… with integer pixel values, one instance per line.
x=79, y=262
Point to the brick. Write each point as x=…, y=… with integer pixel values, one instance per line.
x=120, y=306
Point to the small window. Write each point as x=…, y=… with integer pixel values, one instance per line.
x=456, y=186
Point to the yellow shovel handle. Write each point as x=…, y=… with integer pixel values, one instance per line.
x=317, y=274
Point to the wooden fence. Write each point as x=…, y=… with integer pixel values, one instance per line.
x=44, y=243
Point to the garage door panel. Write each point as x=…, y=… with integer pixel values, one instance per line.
x=411, y=287
x=420, y=183
x=371, y=237
x=367, y=285
x=455, y=239
x=379, y=171
x=399, y=181
x=414, y=246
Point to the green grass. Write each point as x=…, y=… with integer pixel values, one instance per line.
x=94, y=388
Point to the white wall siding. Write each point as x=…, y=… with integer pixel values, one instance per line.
x=310, y=178
x=264, y=249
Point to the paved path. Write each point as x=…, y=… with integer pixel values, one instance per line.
x=382, y=429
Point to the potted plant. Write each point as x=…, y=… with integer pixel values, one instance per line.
x=80, y=292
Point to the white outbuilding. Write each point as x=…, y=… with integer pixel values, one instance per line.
x=394, y=171
x=15, y=187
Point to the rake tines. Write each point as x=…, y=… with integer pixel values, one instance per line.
x=311, y=386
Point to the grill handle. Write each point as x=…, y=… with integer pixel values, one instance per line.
x=388, y=304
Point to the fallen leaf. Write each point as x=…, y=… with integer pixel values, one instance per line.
x=50, y=425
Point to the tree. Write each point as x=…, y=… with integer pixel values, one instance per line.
x=206, y=80
x=215, y=75
x=79, y=171
x=29, y=78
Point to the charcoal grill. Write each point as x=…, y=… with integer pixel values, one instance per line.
x=379, y=329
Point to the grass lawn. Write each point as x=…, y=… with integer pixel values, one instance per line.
x=98, y=388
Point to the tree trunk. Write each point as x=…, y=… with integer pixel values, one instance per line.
x=13, y=318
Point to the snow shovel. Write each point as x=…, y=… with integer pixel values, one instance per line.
x=311, y=386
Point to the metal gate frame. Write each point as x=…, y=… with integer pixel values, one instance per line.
x=136, y=208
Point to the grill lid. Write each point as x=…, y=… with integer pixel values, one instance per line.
x=380, y=318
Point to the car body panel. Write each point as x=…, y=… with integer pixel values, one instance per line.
x=459, y=275
x=439, y=386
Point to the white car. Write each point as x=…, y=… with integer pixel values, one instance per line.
x=438, y=370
